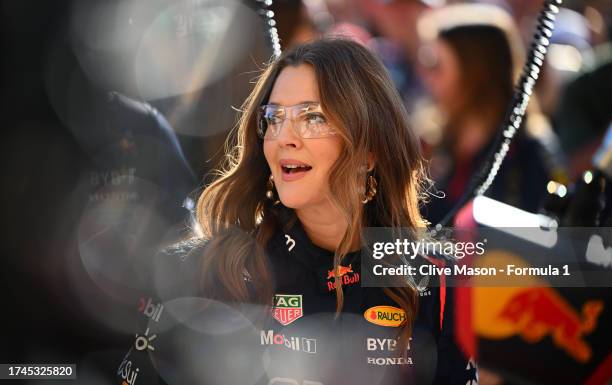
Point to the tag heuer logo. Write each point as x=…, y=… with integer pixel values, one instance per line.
x=287, y=308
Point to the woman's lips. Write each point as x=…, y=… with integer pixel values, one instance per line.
x=293, y=169
x=294, y=174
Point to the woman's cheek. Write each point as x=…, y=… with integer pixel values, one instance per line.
x=269, y=154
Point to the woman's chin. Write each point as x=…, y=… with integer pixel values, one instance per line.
x=293, y=202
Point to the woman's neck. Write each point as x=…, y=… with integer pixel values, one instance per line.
x=325, y=226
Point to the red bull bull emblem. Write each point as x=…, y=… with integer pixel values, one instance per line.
x=287, y=308
x=345, y=273
x=538, y=312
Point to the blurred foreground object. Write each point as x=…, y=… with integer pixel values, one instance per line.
x=535, y=331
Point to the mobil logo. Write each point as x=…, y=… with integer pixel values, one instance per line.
x=307, y=345
x=150, y=309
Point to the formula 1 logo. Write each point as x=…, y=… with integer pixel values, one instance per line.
x=287, y=308
x=345, y=273
x=385, y=316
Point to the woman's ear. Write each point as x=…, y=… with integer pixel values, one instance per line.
x=371, y=161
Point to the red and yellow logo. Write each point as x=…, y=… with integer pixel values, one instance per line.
x=533, y=311
x=345, y=273
x=385, y=316
x=342, y=270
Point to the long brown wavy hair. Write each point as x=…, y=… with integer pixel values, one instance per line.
x=359, y=98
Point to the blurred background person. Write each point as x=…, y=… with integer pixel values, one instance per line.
x=582, y=112
x=393, y=23
x=295, y=21
x=471, y=57
x=300, y=21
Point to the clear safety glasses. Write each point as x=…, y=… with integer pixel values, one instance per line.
x=308, y=121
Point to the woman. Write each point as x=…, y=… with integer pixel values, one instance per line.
x=475, y=54
x=322, y=151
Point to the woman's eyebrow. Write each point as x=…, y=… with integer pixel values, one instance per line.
x=303, y=102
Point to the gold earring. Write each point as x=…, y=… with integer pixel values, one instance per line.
x=270, y=191
x=371, y=189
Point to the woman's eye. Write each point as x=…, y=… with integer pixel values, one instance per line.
x=273, y=119
x=315, y=118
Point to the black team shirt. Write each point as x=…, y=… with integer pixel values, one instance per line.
x=188, y=339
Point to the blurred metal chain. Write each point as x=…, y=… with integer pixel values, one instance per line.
x=268, y=16
x=514, y=115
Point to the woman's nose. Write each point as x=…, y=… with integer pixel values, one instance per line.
x=287, y=135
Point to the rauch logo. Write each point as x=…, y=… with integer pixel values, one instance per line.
x=385, y=316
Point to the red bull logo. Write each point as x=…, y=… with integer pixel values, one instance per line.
x=345, y=273
x=341, y=271
x=538, y=312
